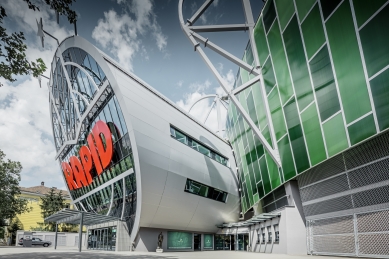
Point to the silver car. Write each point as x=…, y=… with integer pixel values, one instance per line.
x=37, y=241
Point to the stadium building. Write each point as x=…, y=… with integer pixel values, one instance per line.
x=304, y=169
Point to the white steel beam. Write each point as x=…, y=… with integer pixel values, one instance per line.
x=194, y=38
x=218, y=28
x=199, y=12
x=245, y=85
x=226, y=54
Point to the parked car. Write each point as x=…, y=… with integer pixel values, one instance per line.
x=36, y=242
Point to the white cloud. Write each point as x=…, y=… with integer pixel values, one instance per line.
x=25, y=126
x=201, y=109
x=215, y=2
x=121, y=34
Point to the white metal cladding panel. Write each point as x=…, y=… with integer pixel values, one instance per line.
x=144, y=102
x=165, y=164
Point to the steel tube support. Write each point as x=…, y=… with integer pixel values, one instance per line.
x=56, y=236
x=273, y=152
x=80, y=232
x=199, y=12
x=195, y=39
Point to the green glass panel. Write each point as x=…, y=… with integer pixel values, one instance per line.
x=313, y=33
x=260, y=41
x=266, y=134
x=258, y=146
x=251, y=108
x=285, y=10
x=375, y=42
x=279, y=63
x=259, y=105
x=362, y=129
x=365, y=9
x=380, y=91
x=261, y=192
x=347, y=63
x=268, y=75
x=298, y=64
x=313, y=135
x=269, y=14
x=256, y=198
x=303, y=7
x=242, y=131
x=244, y=75
x=335, y=135
x=257, y=171
x=286, y=158
x=273, y=171
x=249, y=190
x=251, y=147
x=324, y=84
x=247, y=201
x=296, y=138
x=276, y=114
x=328, y=7
x=252, y=180
x=265, y=175
x=249, y=55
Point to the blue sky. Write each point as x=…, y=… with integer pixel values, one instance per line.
x=144, y=36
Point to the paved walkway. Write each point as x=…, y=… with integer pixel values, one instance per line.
x=64, y=253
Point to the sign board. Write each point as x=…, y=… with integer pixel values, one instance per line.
x=179, y=240
x=208, y=241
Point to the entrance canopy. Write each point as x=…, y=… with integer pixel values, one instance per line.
x=77, y=217
x=74, y=216
x=254, y=220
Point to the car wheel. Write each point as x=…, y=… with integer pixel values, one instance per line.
x=45, y=245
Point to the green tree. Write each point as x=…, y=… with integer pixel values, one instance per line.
x=10, y=204
x=52, y=202
x=13, y=49
x=13, y=227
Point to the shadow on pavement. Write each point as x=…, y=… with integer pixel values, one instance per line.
x=81, y=255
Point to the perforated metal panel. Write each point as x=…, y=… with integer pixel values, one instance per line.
x=347, y=210
x=340, y=244
x=333, y=226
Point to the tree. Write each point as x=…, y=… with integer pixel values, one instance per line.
x=52, y=202
x=13, y=227
x=13, y=49
x=10, y=204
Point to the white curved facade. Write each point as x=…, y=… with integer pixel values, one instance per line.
x=161, y=163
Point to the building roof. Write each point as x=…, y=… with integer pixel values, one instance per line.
x=42, y=190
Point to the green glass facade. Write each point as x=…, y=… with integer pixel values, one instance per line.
x=326, y=77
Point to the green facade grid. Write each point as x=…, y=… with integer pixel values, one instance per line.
x=326, y=77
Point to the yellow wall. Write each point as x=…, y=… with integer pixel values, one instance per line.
x=29, y=220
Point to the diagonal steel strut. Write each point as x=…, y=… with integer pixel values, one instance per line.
x=196, y=39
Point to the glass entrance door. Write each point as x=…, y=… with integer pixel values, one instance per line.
x=243, y=242
x=224, y=242
x=102, y=239
x=197, y=242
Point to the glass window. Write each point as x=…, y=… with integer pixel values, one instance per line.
x=181, y=137
x=263, y=235
x=205, y=191
x=276, y=234
x=197, y=146
x=269, y=234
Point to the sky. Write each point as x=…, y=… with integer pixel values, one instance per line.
x=144, y=36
